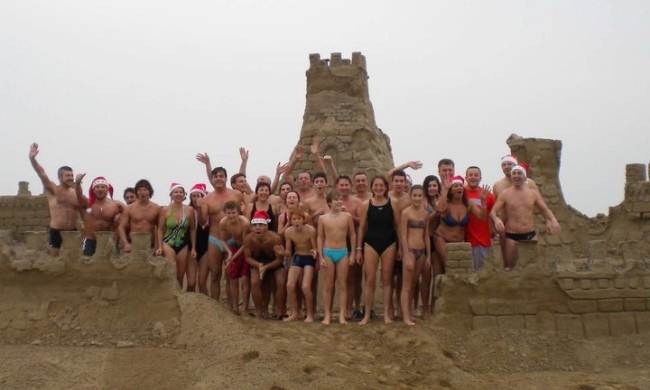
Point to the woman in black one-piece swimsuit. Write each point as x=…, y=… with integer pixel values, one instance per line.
x=377, y=240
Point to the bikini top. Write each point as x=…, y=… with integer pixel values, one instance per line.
x=416, y=223
x=451, y=221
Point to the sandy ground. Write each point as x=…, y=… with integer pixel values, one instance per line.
x=216, y=350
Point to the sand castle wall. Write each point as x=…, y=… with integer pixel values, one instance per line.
x=70, y=300
x=592, y=280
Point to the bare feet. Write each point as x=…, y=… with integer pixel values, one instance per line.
x=365, y=320
x=387, y=319
x=292, y=317
x=409, y=322
x=309, y=319
x=342, y=319
x=326, y=321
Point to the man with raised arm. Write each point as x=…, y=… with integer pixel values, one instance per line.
x=102, y=212
x=212, y=209
x=446, y=170
x=140, y=216
x=324, y=162
x=477, y=231
x=61, y=200
x=519, y=202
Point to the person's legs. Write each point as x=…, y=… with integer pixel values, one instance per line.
x=256, y=287
x=204, y=270
x=342, y=281
x=192, y=271
x=441, y=251
x=215, y=265
x=181, y=265
x=370, y=260
x=170, y=256
x=425, y=286
x=292, y=281
x=510, y=254
x=330, y=271
x=387, y=265
x=307, y=276
x=419, y=266
x=280, y=296
x=408, y=270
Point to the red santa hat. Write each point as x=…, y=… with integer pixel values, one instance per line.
x=174, y=186
x=99, y=180
x=509, y=158
x=200, y=188
x=519, y=168
x=260, y=216
x=457, y=180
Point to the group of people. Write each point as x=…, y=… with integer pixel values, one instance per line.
x=273, y=240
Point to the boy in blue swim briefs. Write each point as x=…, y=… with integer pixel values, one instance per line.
x=335, y=230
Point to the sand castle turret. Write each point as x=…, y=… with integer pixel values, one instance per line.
x=338, y=110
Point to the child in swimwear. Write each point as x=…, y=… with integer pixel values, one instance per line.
x=232, y=230
x=300, y=247
x=335, y=230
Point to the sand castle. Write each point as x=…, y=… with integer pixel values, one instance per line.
x=591, y=281
x=338, y=110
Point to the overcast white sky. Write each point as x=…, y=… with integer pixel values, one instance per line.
x=131, y=89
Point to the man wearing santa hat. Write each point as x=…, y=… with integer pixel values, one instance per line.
x=519, y=202
x=507, y=162
x=101, y=211
x=264, y=253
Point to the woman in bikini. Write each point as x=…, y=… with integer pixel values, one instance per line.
x=415, y=248
x=454, y=216
x=431, y=186
x=173, y=225
x=377, y=241
x=198, y=265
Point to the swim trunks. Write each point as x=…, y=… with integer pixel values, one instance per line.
x=220, y=245
x=302, y=261
x=238, y=266
x=521, y=236
x=55, y=239
x=89, y=246
x=335, y=254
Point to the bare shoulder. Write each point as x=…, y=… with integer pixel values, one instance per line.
x=243, y=220
x=348, y=215
x=275, y=237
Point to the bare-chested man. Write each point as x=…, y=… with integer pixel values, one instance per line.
x=317, y=204
x=264, y=253
x=140, y=217
x=519, y=203
x=399, y=198
x=102, y=212
x=61, y=200
x=335, y=231
x=351, y=205
x=507, y=162
x=361, y=186
x=212, y=210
